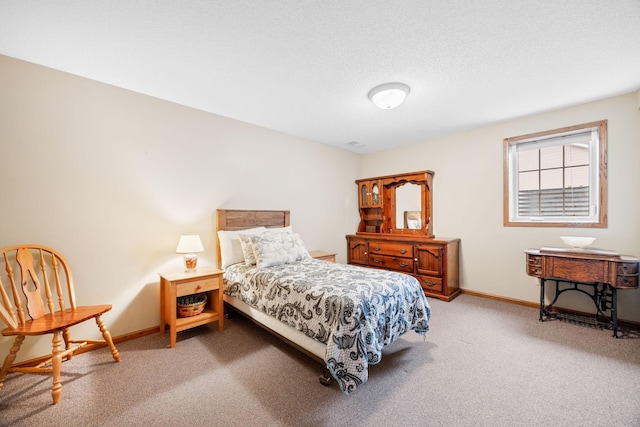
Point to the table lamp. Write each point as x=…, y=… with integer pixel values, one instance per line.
x=188, y=245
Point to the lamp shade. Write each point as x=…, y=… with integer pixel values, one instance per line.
x=389, y=95
x=189, y=243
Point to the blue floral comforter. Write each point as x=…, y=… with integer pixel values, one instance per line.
x=355, y=311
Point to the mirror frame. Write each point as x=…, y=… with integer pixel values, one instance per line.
x=389, y=186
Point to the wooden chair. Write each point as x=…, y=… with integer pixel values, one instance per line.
x=49, y=273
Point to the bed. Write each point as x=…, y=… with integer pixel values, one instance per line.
x=340, y=315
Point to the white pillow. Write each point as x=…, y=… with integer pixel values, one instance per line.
x=230, y=248
x=247, y=243
x=278, y=248
x=288, y=229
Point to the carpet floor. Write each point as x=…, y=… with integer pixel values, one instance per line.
x=482, y=363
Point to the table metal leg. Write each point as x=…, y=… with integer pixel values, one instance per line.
x=614, y=310
x=541, y=299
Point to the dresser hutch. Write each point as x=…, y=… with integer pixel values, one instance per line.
x=396, y=233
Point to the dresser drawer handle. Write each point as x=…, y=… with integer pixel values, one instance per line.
x=198, y=287
x=403, y=264
x=377, y=260
x=403, y=251
x=376, y=248
x=429, y=283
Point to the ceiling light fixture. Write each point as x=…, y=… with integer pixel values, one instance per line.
x=389, y=95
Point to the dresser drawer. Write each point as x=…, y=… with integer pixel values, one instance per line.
x=399, y=249
x=193, y=287
x=391, y=263
x=431, y=284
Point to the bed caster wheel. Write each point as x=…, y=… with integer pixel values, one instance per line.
x=326, y=379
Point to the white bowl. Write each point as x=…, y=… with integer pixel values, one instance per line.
x=577, y=242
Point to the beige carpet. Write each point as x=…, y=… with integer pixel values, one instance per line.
x=483, y=363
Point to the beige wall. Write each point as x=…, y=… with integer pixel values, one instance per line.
x=112, y=178
x=468, y=198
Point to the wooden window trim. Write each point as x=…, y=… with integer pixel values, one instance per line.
x=602, y=172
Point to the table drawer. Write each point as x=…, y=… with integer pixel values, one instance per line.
x=399, y=249
x=193, y=287
x=391, y=263
x=627, y=281
x=534, y=266
x=627, y=268
x=534, y=261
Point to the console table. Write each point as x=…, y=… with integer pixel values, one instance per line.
x=596, y=273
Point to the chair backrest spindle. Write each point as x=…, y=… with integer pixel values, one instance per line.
x=56, y=260
x=14, y=290
x=45, y=278
x=6, y=309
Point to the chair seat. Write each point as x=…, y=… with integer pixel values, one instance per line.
x=58, y=320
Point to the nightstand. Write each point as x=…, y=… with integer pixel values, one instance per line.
x=179, y=283
x=326, y=256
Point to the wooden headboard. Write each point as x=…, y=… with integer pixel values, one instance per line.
x=234, y=219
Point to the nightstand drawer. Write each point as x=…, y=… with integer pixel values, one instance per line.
x=196, y=286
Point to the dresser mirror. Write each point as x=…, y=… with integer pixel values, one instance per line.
x=408, y=206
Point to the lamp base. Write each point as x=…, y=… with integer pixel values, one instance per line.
x=190, y=263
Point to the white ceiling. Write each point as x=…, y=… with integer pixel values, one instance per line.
x=305, y=67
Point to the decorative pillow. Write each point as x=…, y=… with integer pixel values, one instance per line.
x=230, y=248
x=278, y=248
x=247, y=243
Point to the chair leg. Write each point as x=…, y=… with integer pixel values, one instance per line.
x=8, y=361
x=66, y=336
x=107, y=337
x=56, y=365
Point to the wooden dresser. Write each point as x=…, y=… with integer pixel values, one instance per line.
x=434, y=262
x=396, y=233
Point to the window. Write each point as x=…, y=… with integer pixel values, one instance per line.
x=557, y=178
